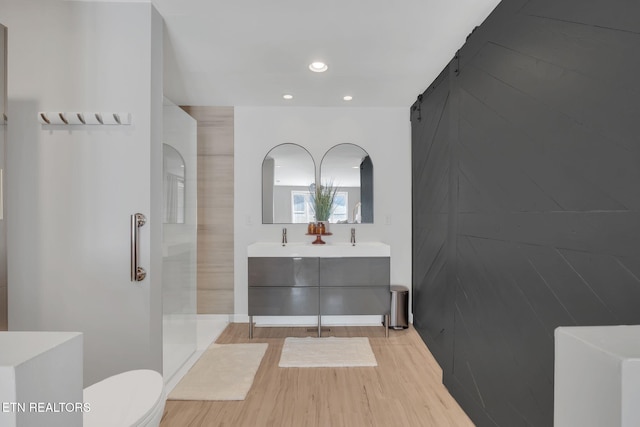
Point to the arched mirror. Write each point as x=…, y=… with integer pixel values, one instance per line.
x=349, y=169
x=173, y=176
x=288, y=171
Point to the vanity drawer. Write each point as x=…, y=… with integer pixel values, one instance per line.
x=283, y=301
x=355, y=300
x=279, y=271
x=355, y=271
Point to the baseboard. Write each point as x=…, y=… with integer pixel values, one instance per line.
x=374, y=320
x=239, y=318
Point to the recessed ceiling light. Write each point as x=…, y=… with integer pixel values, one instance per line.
x=318, y=67
x=287, y=96
x=347, y=97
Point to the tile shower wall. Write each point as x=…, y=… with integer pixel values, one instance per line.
x=215, y=208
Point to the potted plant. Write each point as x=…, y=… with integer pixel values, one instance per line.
x=322, y=203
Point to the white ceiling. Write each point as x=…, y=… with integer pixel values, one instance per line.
x=250, y=52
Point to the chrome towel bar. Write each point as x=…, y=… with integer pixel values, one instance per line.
x=137, y=273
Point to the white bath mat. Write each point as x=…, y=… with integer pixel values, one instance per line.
x=224, y=372
x=326, y=352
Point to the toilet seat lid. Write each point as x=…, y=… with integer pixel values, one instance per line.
x=126, y=399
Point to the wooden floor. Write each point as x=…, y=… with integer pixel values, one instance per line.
x=405, y=389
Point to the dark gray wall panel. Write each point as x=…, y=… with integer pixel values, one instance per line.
x=431, y=169
x=493, y=307
x=551, y=178
x=558, y=141
x=613, y=14
x=605, y=161
x=614, y=286
x=568, y=287
x=432, y=158
x=526, y=208
x=614, y=233
x=631, y=264
x=580, y=55
x=471, y=406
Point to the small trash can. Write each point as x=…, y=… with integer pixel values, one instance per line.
x=399, y=318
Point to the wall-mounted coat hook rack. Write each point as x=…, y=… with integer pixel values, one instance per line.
x=84, y=118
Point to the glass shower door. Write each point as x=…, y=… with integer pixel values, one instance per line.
x=179, y=246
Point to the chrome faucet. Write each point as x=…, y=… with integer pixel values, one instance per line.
x=284, y=236
x=353, y=237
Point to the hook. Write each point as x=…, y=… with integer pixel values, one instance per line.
x=82, y=118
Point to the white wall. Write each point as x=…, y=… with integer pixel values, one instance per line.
x=71, y=191
x=383, y=132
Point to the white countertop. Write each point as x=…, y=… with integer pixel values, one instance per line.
x=328, y=250
x=17, y=347
x=597, y=376
x=40, y=368
x=621, y=341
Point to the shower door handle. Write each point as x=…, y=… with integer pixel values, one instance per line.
x=137, y=273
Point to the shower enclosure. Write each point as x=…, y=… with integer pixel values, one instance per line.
x=74, y=187
x=179, y=246
x=3, y=224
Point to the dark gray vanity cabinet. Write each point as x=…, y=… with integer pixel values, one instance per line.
x=309, y=286
x=354, y=286
x=283, y=286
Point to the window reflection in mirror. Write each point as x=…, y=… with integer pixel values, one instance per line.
x=349, y=168
x=288, y=171
x=173, y=176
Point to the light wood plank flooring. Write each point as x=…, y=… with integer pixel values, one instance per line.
x=405, y=389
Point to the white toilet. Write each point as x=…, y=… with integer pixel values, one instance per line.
x=132, y=398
